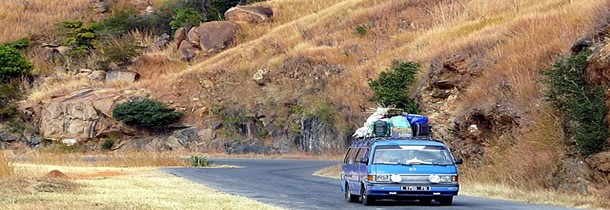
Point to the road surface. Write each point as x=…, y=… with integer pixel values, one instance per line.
x=290, y=184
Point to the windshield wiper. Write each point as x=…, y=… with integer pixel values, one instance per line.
x=387, y=163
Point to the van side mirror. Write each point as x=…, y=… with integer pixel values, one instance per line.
x=364, y=160
x=459, y=161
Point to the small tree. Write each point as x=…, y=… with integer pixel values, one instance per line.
x=80, y=36
x=12, y=64
x=392, y=86
x=146, y=113
x=568, y=92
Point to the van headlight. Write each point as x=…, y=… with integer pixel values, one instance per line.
x=442, y=178
x=382, y=178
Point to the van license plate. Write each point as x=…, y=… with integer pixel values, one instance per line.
x=416, y=188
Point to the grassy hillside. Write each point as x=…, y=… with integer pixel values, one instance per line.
x=510, y=40
x=319, y=55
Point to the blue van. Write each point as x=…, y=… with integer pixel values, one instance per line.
x=399, y=168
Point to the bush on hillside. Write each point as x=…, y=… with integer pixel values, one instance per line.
x=19, y=44
x=121, y=22
x=568, y=92
x=146, y=113
x=186, y=18
x=12, y=64
x=79, y=36
x=392, y=86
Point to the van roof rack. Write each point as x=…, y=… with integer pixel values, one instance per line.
x=368, y=141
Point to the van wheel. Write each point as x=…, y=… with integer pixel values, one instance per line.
x=364, y=198
x=349, y=196
x=445, y=201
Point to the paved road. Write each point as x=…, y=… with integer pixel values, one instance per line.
x=289, y=184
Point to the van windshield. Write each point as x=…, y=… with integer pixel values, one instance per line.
x=395, y=154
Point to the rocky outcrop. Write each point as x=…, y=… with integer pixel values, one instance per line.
x=247, y=147
x=97, y=75
x=316, y=137
x=598, y=66
x=572, y=175
x=216, y=35
x=122, y=76
x=82, y=115
x=600, y=162
x=249, y=14
x=99, y=6
x=179, y=36
x=207, y=38
x=8, y=136
x=437, y=97
x=187, y=51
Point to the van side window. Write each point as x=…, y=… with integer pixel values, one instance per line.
x=352, y=156
x=363, y=153
x=347, y=155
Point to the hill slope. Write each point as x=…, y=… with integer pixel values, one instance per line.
x=480, y=63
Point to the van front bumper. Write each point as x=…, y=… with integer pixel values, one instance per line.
x=399, y=190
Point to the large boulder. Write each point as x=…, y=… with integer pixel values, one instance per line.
x=82, y=115
x=122, y=76
x=180, y=36
x=249, y=14
x=187, y=51
x=598, y=66
x=97, y=75
x=216, y=36
x=192, y=36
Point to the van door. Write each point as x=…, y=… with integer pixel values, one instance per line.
x=362, y=169
x=349, y=165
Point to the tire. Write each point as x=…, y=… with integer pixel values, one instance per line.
x=349, y=196
x=365, y=199
x=445, y=201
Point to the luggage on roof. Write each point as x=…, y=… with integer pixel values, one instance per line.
x=400, y=127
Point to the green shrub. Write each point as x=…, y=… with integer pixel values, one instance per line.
x=392, y=86
x=197, y=161
x=361, y=30
x=186, y=18
x=19, y=44
x=79, y=36
x=146, y=113
x=567, y=91
x=323, y=112
x=12, y=64
x=108, y=144
x=9, y=94
x=121, y=22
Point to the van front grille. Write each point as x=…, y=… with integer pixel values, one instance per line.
x=415, y=179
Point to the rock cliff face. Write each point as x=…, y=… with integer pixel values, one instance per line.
x=82, y=115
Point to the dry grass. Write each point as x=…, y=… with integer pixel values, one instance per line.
x=330, y=172
x=6, y=168
x=111, y=159
x=113, y=188
x=540, y=196
x=38, y=17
